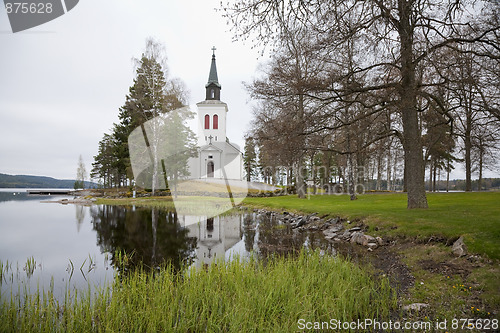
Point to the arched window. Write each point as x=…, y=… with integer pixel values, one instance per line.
x=213, y=93
x=216, y=121
x=207, y=121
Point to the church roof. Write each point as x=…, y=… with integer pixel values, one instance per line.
x=221, y=146
x=212, y=77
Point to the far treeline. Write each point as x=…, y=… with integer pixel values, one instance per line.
x=372, y=89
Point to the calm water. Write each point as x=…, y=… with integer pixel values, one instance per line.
x=73, y=246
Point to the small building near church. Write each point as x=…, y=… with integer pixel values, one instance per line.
x=218, y=158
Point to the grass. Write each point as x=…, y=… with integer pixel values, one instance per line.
x=452, y=286
x=234, y=296
x=476, y=216
x=184, y=205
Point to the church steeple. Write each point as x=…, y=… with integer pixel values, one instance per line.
x=213, y=86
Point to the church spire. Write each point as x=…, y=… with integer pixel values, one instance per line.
x=213, y=86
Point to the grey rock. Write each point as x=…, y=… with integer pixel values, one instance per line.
x=357, y=237
x=355, y=229
x=372, y=246
x=368, y=239
x=334, y=220
x=300, y=222
x=336, y=228
x=346, y=234
x=380, y=241
x=330, y=236
x=459, y=249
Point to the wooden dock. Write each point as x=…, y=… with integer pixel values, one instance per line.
x=50, y=192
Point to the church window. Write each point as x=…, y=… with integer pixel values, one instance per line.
x=207, y=121
x=213, y=93
x=216, y=122
x=216, y=138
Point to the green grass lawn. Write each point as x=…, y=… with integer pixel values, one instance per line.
x=476, y=216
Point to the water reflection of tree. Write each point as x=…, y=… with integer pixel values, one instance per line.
x=80, y=215
x=151, y=236
x=280, y=239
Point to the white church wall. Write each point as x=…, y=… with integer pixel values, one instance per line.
x=218, y=135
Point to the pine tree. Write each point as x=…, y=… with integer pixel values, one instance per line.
x=250, y=158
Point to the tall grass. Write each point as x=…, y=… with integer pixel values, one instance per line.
x=235, y=296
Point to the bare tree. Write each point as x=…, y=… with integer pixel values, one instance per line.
x=81, y=174
x=398, y=37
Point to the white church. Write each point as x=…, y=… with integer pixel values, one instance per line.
x=218, y=158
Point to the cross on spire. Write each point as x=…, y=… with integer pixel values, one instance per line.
x=213, y=49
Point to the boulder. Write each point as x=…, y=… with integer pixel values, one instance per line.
x=300, y=222
x=336, y=228
x=357, y=237
x=334, y=220
x=368, y=239
x=459, y=249
x=330, y=235
x=346, y=235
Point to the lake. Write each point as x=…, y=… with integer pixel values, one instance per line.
x=54, y=246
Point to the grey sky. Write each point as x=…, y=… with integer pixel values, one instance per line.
x=63, y=82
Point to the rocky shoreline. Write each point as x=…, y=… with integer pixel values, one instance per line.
x=333, y=229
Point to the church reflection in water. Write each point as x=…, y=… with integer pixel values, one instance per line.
x=215, y=235
x=151, y=237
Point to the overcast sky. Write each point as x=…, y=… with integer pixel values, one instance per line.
x=62, y=83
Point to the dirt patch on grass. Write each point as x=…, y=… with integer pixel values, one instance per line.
x=385, y=260
x=444, y=268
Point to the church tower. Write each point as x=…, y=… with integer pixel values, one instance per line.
x=213, y=86
x=217, y=158
x=211, y=111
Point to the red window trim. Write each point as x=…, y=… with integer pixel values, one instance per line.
x=216, y=122
x=207, y=121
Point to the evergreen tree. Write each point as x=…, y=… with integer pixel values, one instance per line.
x=151, y=95
x=250, y=158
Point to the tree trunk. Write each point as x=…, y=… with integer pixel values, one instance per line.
x=379, y=171
x=448, y=177
x=480, y=180
x=388, y=170
x=468, y=148
x=412, y=141
x=299, y=174
x=434, y=177
x=301, y=190
x=430, y=175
